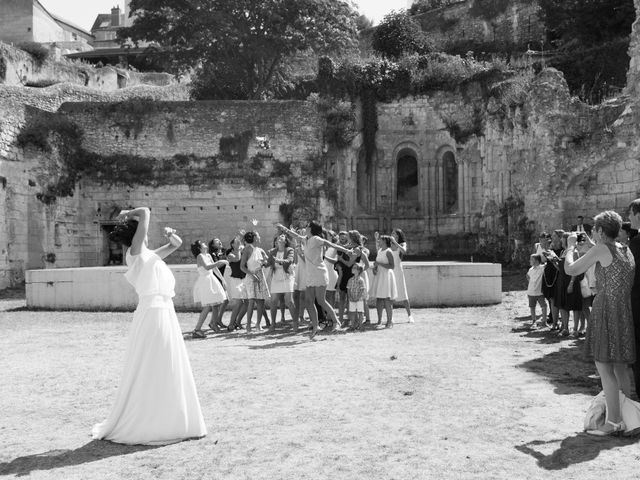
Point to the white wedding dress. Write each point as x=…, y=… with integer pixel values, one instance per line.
x=156, y=402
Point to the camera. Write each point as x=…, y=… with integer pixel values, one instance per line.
x=582, y=237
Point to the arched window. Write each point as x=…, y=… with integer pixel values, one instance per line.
x=450, y=183
x=407, y=185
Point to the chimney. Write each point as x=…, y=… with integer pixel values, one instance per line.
x=115, y=17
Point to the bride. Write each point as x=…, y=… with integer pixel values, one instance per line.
x=156, y=402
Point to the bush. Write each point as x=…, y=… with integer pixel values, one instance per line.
x=398, y=35
x=37, y=51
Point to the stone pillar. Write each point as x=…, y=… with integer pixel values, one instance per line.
x=462, y=193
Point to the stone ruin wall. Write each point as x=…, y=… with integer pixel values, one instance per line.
x=19, y=68
x=561, y=157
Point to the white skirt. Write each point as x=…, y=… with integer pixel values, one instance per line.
x=157, y=402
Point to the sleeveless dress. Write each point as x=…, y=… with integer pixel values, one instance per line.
x=398, y=272
x=235, y=285
x=300, y=282
x=256, y=289
x=281, y=281
x=208, y=289
x=563, y=299
x=156, y=402
x=384, y=282
x=316, y=274
x=333, y=275
x=610, y=332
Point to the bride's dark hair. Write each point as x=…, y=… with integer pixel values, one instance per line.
x=124, y=232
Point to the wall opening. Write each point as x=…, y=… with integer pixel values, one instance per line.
x=362, y=186
x=450, y=184
x=407, y=183
x=112, y=252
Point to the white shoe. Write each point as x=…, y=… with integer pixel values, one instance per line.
x=411, y=320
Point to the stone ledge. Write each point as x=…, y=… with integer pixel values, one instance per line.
x=429, y=284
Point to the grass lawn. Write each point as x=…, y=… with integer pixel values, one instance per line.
x=464, y=393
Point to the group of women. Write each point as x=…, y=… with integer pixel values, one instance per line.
x=306, y=269
x=610, y=339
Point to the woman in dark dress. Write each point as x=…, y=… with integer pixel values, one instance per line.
x=610, y=337
x=568, y=297
x=550, y=275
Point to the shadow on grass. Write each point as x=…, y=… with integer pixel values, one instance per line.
x=91, y=452
x=578, y=448
x=566, y=368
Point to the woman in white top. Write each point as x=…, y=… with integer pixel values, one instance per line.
x=399, y=249
x=317, y=276
x=156, y=402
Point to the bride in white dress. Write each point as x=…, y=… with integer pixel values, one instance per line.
x=156, y=402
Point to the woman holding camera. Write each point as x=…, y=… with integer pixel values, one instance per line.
x=610, y=337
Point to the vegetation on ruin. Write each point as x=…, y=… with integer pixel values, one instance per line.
x=37, y=51
x=61, y=139
x=591, y=41
x=239, y=47
x=398, y=35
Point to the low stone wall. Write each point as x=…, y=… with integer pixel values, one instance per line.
x=429, y=284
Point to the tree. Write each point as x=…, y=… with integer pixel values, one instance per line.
x=363, y=22
x=591, y=38
x=240, y=47
x=586, y=22
x=422, y=6
x=398, y=35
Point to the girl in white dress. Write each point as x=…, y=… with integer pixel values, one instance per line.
x=281, y=260
x=252, y=263
x=156, y=402
x=398, y=249
x=383, y=286
x=209, y=290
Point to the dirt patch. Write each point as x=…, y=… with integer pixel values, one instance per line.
x=462, y=393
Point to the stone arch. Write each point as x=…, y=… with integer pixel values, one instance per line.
x=407, y=175
x=448, y=174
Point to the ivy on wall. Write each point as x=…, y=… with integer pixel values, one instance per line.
x=55, y=134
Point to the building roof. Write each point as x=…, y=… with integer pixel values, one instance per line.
x=58, y=19
x=103, y=20
x=69, y=24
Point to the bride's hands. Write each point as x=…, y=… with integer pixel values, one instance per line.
x=122, y=215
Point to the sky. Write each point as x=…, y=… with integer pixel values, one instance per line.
x=84, y=12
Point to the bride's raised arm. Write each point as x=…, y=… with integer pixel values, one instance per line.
x=142, y=216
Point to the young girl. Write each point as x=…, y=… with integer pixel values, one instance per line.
x=357, y=291
x=156, y=402
x=216, y=250
x=534, y=288
x=398, y=249
x=383, y=287
x=209, y=289
x=252, y=263
x=280, y=260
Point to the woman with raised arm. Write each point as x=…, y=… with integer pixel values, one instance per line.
x=383, y=287
x=235, y=284
x=398, y=250
x=316, y=276
x=252, y=262
x=610, y=337
x=156, y=402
